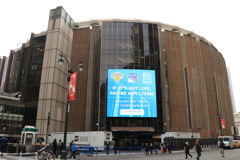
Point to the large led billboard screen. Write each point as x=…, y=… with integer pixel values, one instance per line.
x=131, y=93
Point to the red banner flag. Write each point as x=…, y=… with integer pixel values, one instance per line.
x=72, y=87
x=223, y=124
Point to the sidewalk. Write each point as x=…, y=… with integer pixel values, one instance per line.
x=104, y=156
x=123, y=154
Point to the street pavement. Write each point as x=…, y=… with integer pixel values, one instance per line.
x=211, y=154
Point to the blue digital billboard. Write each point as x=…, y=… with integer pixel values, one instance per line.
x=131, y=93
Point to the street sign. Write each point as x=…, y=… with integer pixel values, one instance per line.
x=210, y=132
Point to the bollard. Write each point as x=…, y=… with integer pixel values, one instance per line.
x=20, y=155
x=36, y=153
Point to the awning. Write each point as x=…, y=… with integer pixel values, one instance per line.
x=133, y=129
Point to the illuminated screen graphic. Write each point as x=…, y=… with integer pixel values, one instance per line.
x=131, y=93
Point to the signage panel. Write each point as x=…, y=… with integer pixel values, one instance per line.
x=72, y=87
x=131, y=93
x=223, y=124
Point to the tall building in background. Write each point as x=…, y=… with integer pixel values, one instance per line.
x=4, y=66
x=2, y=61
x=141, y=79
x=231, y=90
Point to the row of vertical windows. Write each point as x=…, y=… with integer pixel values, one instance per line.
x=127, y=45
x=35, y=68
x=13, y=72
x=61, y=13
x=24, y=60
x=11, y=119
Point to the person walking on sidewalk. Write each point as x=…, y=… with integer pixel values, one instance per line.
x=187, y=147
x=151, y=148
x=221, y=148
x=169, y=148
x=142, y=149
x=146, y=149
x=3, y=144
x=74, y=149
x=198, y=149
x=70, y=148
x=108, y=148
x=54, y=147
x=60, y=147
x=164, y=148
x=116, y=147
x=155, y=148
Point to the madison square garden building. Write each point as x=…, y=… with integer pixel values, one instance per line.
x=140, y=80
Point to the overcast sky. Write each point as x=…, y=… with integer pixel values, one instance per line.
x=216, y=20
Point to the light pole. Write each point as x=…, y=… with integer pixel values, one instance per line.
x=48, y=123
x=70, y=71
x=192, y=132
x=219, y=115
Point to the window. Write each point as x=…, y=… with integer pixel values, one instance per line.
x=68, y=19
x=29, y=138
x=22, y=138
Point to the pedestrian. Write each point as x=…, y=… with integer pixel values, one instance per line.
x=3, y=144
x=184, y=145
x=74, y=149
x=198, y=149
x=169, y=148
x=164, y=148
x=116, y=148
x=142, y=149
x=155, y=147
x=151, y=148
x=221, y=147
x=146, y=148
x=187, y=147
x=107, y=148
x=70, y=149
x=60, y=147
x=39, y=141
x=54, y=147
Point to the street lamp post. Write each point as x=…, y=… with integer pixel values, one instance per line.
x=97, y=126
x=70, y=71
x=219, y=115
x=192, y=132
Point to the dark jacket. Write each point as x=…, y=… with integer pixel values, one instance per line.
x=169, y=147
x=60, y=145
x=146, y=148
x=221, y=145
x=187, y=147
x=55, y=147
x=198, y=147
x=3, y=142
x=70, y=146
